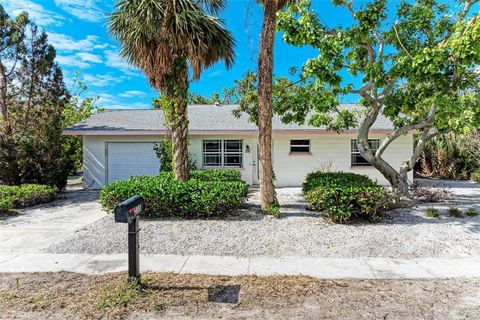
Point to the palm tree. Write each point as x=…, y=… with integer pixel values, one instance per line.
x=168, y=40
x=265, y=75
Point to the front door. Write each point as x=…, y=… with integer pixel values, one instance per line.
x=256, y=164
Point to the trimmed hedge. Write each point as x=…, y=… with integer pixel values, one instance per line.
x=342, y=195
x=212, y=193
x=12, y=197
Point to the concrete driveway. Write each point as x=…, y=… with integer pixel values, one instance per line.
x=37, y=228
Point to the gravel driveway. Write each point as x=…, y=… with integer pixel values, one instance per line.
x=403, y=233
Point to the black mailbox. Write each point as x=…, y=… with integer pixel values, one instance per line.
x=128, y=210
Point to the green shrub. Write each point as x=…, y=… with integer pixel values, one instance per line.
x=476, y=176
x=206, y=194
x=472, y=212
x=432, y=213
x=217, y=175
x=12, y=197
x=320, y=178
x=341, y=195
x=454, y=212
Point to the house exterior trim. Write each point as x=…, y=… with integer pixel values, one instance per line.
x=252, y=133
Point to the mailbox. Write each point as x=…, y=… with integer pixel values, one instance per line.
x=128, y=210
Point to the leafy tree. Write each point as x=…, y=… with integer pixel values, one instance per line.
x=224, y=98
x=451, y=156
x=167, y=39
x=12, y=33
x=416, y=66
x=77, y=109
x=265, y=113
x=163, y=151
x=33, y=97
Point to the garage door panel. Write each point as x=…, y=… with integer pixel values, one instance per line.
x=126, y=160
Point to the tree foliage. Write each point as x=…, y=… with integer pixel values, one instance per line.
x=451, y=156
x=416, y=66
x=78, y=108
x=33, y=98
x=224, y=98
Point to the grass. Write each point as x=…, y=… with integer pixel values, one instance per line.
x=432, y=213
x=121, y=294
x=63, y=295
x=472, y=212
x=455, y=212
x=111, y=296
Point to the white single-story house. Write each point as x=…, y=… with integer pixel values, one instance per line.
x=118, y=144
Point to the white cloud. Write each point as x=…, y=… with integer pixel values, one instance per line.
x=36, y=12
x=102, y=80
x=113, y=60
x=80, y=60
x=136, y=105
x=88, y=10
x=110, y=101
x=89, y=57
x=100, y=46
x=214, y=74
x=132, y=93
x=72, y=61
x=66, y=43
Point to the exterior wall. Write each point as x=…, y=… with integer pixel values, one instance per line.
x=328, y=151
x=196, y=147
x=331, y=151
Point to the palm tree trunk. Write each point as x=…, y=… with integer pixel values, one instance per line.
x=176, y=115
x=179, y=138
x=265, y=77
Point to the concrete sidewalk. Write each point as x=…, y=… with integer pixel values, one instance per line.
x=326, y=268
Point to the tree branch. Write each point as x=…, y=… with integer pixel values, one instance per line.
x=388, y=88
x=364, y=89
x=400, y=41
x=426, y=124
x=461, y=16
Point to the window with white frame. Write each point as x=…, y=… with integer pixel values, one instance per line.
x=357, y=159
x=223, y=153
x=299, y=146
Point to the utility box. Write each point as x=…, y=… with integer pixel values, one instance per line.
x=128, y=210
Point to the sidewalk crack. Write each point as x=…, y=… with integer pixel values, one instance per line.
x=180, y=271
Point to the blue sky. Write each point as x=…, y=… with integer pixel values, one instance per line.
x=77, y=30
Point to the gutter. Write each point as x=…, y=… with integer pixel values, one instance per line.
x=68, y=132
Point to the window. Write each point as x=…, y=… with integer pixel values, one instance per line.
x=223, y=153
x=299, y=146
x=357, y=159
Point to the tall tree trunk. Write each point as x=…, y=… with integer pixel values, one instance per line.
x=265, y=77
x=398, y=180
x=176, y=115
x=179, y=137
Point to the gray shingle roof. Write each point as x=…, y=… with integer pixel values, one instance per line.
x=201, y=118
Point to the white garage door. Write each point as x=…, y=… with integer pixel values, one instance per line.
x=126, y=160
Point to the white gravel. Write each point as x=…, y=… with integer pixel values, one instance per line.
x=403, y=233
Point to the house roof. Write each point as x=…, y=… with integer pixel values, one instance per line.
x=203, y=119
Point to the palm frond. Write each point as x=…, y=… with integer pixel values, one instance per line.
x=212, y=6
x=154, y=33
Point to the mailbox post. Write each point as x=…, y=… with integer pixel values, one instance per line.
x=129, y=212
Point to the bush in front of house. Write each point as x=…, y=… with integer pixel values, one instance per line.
x=12, y=197
x=342, y=196
x=214, y=193
x=476, y=176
